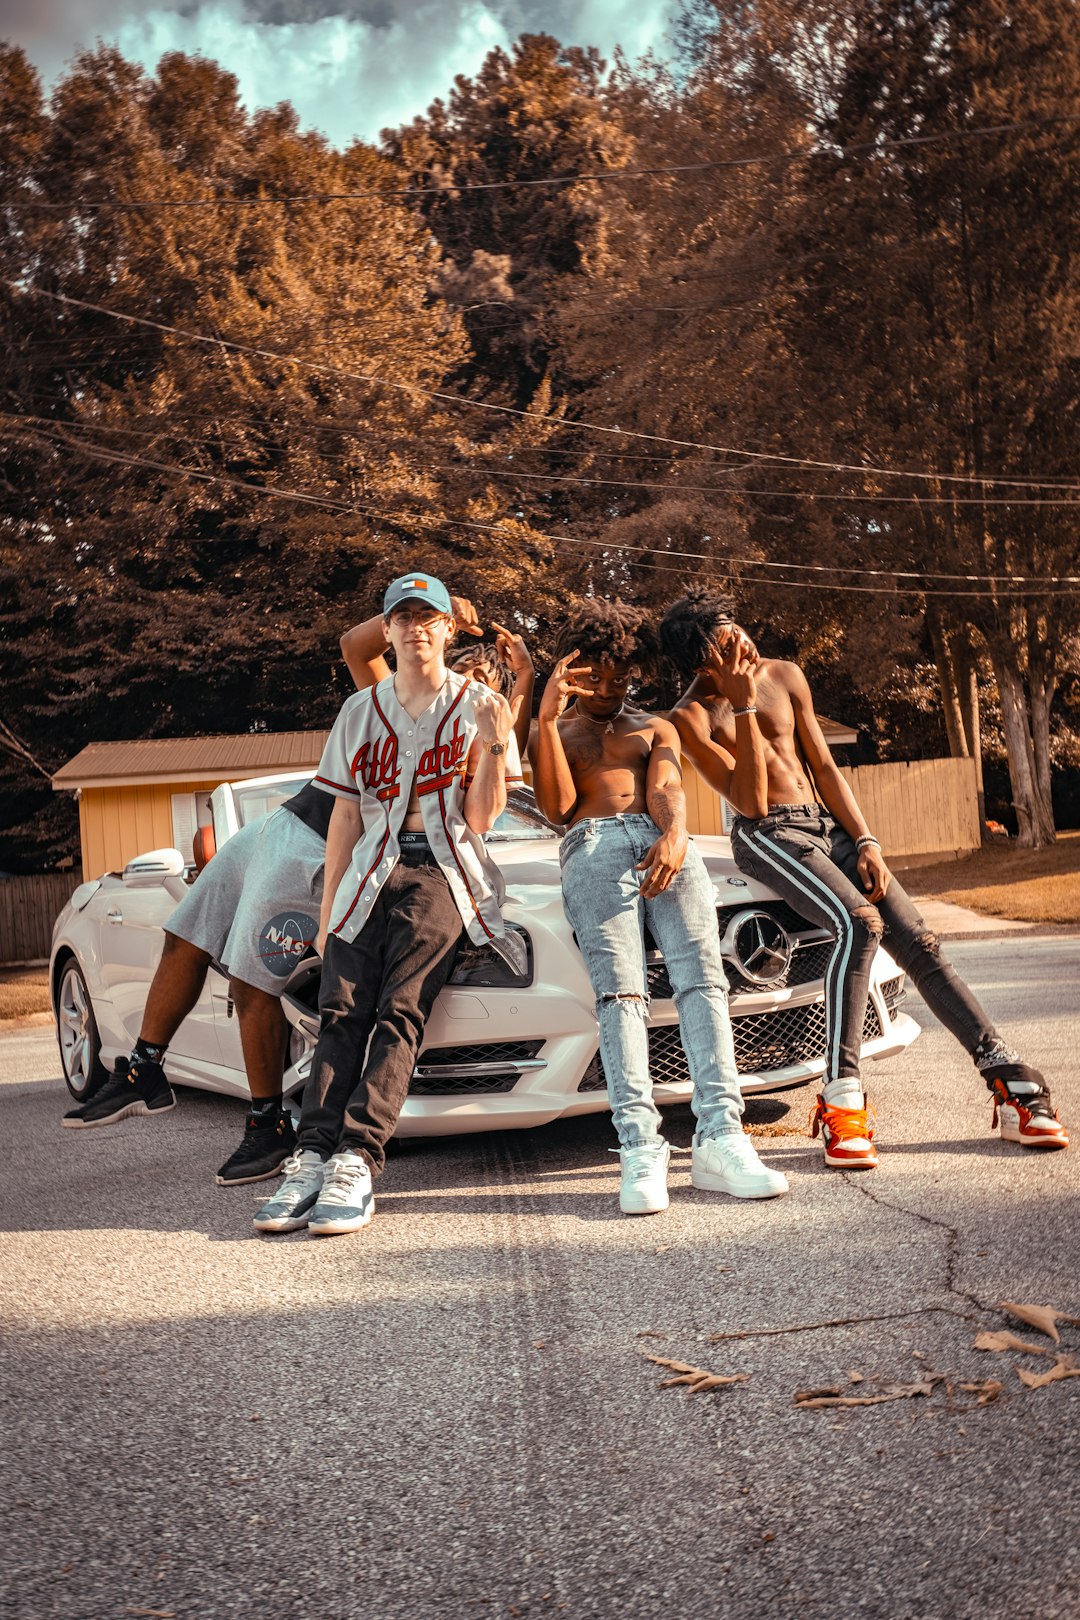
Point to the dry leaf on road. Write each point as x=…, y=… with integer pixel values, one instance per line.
x=987, y=1391
x=696, y=1379
x=1043, y=1317
x=1060, y=1369
x=1008, y=1341
x=808, y=1399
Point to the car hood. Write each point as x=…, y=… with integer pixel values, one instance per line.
x=536, y=861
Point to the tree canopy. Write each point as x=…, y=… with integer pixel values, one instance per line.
x=798, y=316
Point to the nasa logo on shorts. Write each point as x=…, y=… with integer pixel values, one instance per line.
x=283, y=941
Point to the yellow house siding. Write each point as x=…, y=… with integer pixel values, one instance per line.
x=703, y=807
x=118, y=823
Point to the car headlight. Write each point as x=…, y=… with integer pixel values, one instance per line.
x=483, y=968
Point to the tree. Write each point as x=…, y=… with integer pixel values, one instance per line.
x=539, y=112
x=159, y=577
x=953, y=319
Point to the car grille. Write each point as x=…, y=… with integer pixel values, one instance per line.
x=438, y=1072
x=763, y=1041
x=893, y=992
x=808, y=963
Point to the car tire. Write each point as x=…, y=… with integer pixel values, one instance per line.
x=77, y=1033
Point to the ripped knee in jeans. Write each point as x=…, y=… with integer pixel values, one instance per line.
x=625, y=995
x=870, y=917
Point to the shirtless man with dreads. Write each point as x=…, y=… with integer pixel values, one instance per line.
x=810, y=842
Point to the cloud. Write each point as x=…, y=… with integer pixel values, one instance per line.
x=365, y=66
x=345, y=77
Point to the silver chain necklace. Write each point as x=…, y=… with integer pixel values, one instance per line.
x=608, y=725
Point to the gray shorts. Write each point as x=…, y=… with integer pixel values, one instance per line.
x=255, y=906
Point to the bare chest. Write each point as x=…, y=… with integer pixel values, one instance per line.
x=591, y=747
x=775, y=716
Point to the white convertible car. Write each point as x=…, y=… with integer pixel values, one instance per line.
x=500, y=1050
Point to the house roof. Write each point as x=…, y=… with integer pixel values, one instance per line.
x=190, y=759
x=226, y=759
x=836, y=733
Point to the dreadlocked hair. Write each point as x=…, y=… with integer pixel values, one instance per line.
x=610, y=631
x=692, y=626
x=498, y=675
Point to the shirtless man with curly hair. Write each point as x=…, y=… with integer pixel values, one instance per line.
x=609, y=773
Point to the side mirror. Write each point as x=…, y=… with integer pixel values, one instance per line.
x=149, y=871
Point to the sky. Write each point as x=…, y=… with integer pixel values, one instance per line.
x=350, y=67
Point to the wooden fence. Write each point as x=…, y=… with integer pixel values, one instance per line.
x=920, y=806
x=28, y=908
x=916, y=807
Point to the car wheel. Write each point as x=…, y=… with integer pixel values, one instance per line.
x=77, y=1032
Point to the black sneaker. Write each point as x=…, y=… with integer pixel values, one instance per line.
x=267, y=1142
x=134, y=1087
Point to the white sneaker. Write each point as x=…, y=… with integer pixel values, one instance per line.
x=347, y=1200
x=643, y=1187
x=291, y=1206
x=730, y=1164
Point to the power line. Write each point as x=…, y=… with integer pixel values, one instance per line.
x=483, y=469
x=106, y=454
x=865, y=469
x=581, y=177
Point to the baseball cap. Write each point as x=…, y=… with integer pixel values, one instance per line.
x=418, y=588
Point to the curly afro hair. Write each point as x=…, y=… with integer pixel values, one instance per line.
x=615, y=631
x=692, y=627
x=492, y=670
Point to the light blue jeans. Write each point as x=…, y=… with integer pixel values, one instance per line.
x=601, y=891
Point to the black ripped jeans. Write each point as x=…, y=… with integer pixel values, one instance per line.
x=812, y=863
x=382, y=985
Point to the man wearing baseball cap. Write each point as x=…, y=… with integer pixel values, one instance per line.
x=418, y=767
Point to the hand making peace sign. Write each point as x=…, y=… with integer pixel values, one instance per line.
x=561, y=687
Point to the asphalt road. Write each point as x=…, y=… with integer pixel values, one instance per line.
x=450, y=1414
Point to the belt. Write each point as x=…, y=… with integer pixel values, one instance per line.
x=415, y=850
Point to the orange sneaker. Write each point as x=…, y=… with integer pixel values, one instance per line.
x=1023, y=1111
x=847, y=1135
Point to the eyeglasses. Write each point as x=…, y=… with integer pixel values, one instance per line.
x=420, y=614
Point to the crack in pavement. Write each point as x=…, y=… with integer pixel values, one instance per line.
x=952, y=1244
x=839, y=1321
x=952, y=1261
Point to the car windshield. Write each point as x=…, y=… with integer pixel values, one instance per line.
x=253, y=802
x=521, y=820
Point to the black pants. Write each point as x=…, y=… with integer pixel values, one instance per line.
x=807, y=858
x=380, y=986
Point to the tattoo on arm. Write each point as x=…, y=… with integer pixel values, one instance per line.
x=667, y=806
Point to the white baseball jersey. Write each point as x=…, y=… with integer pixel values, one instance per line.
x=374, y=753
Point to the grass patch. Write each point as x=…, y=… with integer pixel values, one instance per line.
x=1025, y=885
x=23, y=990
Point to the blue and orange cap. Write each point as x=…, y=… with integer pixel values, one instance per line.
x=418, y=588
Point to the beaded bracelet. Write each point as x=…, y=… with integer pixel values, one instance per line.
x=866, y=840
x=744, y=711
